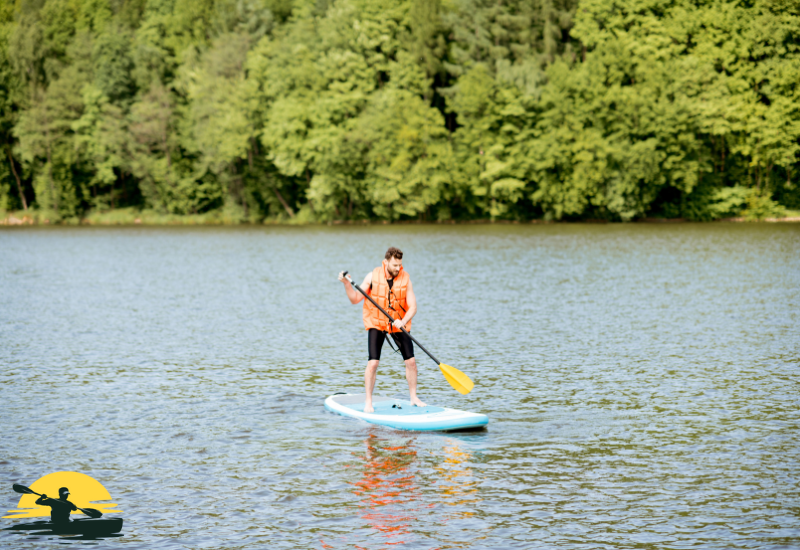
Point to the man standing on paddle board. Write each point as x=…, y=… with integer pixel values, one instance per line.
x=390, y=286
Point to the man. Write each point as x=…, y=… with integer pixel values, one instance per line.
x=60, y=507
x=390, y=287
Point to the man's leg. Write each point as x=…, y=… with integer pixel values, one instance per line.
x=374, y=344
x=369, y=383
x=411, y=376
x=406, y=347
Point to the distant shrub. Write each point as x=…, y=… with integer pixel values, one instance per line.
x=729, y=201
x=760, y=207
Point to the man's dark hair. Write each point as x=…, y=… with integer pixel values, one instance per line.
x=394, y=253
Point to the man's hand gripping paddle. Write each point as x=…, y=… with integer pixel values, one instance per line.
x=91, y=512
x=457, y=379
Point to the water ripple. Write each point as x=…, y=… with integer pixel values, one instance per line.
x=641, y=383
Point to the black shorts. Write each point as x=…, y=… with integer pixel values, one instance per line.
x=401, y=339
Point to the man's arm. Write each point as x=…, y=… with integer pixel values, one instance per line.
x=41, y=500
x=354, y=295
x=412, y=307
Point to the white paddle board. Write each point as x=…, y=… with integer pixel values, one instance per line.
x=402, y=415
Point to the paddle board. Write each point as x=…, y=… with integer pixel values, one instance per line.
x=402, y=415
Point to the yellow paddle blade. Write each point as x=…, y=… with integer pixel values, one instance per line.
x=457, y=379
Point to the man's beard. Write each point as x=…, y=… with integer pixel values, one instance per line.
x=393, y=273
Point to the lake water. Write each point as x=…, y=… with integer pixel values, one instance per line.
x=641, y=383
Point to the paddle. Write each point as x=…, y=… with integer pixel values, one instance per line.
x=457, y=379
x=91, y=512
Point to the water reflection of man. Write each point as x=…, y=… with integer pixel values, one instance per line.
x=388, y=488
x=60, y=507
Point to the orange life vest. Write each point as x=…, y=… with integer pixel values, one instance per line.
x=392, y=300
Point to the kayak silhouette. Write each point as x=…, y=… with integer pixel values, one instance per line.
x=92, y=527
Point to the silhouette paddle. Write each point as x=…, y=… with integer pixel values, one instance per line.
x=91, y=512
x=460, y=381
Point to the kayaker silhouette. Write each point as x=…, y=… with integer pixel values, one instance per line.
x=93, y=527
x=60, y=507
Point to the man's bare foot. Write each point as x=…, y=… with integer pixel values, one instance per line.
x=368, y=408
x=417, y=402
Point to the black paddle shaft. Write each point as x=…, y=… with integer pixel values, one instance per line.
x=91, y=512
x=368, y=297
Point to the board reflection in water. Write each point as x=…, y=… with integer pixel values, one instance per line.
x=400, y=486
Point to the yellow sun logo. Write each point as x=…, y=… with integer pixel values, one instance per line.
x=85, y=492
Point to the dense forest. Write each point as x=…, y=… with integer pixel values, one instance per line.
x=326, y=110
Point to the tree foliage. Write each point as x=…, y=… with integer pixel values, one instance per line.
x=317, y=110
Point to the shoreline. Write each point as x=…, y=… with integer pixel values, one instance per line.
x=16, y=219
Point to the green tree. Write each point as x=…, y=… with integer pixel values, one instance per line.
x=402, y=109
x=11, y=94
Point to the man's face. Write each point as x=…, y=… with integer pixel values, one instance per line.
x=393, y=267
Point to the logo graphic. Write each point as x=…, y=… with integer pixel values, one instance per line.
x=60, y=495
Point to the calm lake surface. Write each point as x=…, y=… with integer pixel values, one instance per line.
x=642, y=385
